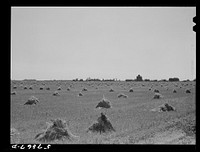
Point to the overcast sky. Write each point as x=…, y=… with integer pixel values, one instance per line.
x=102, y=42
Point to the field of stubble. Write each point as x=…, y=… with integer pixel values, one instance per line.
x=131, y=117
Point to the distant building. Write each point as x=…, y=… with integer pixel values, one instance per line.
x=139, y=78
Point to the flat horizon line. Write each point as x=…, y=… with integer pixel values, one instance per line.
x=147, y=80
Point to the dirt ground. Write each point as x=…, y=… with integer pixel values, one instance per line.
x=131, y=117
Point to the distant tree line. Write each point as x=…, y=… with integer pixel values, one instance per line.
x=186, y=80
x=128, y=80
x=29, y=80
x=77, y=79
x=163, y=80
x=89, y=79
x=138, y=78
x=108, y=80
x=92, y=80
x=173, y=79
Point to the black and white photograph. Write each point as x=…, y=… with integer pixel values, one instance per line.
x=103, y=75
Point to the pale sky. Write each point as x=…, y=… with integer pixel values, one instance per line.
x=102, y=42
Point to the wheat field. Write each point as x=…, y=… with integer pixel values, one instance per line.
x=132, y=117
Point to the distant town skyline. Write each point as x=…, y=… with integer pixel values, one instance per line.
x=65, y=43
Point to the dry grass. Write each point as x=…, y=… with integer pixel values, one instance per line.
x=103, y=104
x=13, y=93
x=80, y=94
x=131, y=90
x=128, y=116
x=32, y=100
x=111, y=90
x=84, y=89
x=188, y=91
x=56, y=93
x=103, y=125
x=164, y=108
x=157, y=96
x=13, y=131
x=56, y=130
x=121, y=95
x=167, y=107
